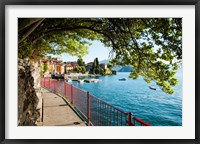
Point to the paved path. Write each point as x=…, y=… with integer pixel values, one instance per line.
x=56, y=112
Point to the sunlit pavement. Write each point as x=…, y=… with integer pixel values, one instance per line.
x=56, y=112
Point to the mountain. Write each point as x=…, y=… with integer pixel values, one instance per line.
x=125, y=69
x=104, y=61
x=117, y=67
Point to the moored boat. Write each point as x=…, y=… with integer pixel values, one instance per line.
x=122, y=79
x=92, y=80
x=69, y=80
x=152, y=88
x=81, y=81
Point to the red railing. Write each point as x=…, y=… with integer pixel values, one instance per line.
x=92, y=109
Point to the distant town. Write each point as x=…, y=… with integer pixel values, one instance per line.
x=56, y=67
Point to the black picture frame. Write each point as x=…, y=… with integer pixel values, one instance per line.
x=3, y=3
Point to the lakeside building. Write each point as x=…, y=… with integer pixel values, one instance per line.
x=57, y=66
x=103, y=65
x=74, y=64
x=89, y=66
x=68, y=67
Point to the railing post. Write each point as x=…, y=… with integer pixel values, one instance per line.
x=72, y=94
x=45, y=83
x=110, y=116
x=65, y=89
x=130, y=118
x=54, y=85
x=134, y=123
x=88, y=108
x=49, y=83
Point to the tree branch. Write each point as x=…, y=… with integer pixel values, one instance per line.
x=25, y=22
x=30, y=30
x=58, y=29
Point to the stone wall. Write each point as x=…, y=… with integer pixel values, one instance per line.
x=29, y=93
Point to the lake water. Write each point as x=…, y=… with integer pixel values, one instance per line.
x=153, y=106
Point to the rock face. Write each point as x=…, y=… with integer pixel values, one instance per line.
x=29, y=93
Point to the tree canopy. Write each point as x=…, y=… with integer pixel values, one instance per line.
x=80, y=62
x=95, y=67
x=152, y=46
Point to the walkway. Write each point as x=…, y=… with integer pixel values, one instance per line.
x=56, y=112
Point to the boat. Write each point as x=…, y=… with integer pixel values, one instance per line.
x=122, y=79
x=69, y=80
x=81, y=81
x=92, y=80
x=152, y=88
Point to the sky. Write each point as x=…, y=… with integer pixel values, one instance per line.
x=97, y=49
